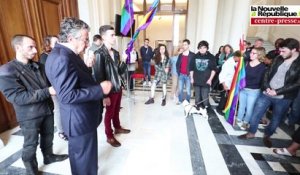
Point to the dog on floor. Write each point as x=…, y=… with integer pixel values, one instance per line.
x=190, y=109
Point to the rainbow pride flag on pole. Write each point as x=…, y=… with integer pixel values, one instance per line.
x=238, y=83
x=144, y=24
x=126, y=17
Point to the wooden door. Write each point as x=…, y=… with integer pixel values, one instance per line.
x=36, y=18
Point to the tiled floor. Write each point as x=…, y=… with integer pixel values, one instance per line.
x=164, y=142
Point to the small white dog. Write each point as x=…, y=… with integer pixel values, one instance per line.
x=191, y=109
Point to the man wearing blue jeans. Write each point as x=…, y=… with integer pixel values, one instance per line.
x=146, y=54
x=280, y=86
x=183, y=68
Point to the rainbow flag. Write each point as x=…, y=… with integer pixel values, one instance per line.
x=238, y=83
x=126, y=17
x=144, y=24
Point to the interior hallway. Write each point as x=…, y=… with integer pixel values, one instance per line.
x=164, y=142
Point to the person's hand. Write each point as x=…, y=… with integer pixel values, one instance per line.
x=167, y=70
x=192, y=80
x=106, y=86
x=225, y=87
x=271, y=92
x=52, y=91
x=208, y=82
x=106, y=101
x=90, y=61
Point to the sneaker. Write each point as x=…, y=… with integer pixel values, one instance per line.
x=239, y=123
x=144, y=83
x=178, y=103
x=150, y=101
x=244, y=126
x=220, y=112
x=149, y=83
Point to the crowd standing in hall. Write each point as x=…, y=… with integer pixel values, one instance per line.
x=82, y=86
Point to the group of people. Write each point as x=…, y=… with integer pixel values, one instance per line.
x=272, y=82
x=79, y=88
x=75, y=88
x=187, y=68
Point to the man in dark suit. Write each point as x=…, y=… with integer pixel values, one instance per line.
x=24, y=84
x=78, y=94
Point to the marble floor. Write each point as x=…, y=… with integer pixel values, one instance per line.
x=165, y=142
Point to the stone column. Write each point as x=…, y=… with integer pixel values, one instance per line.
x=208, y=10
x=223, y=24
x=192, y=23
x=240, y=22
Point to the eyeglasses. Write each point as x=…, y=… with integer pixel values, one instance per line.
x=86, y=41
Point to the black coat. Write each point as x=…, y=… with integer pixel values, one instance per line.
x=26, y=87
x=179, y=60
x=291, y=81
x=106, y=68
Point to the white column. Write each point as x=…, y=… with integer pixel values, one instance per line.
x=192, y=23
x=240, y=22
x=223, y=24
x=209, y=10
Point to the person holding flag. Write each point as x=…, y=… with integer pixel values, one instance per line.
x=255, y=70
x=226, y=77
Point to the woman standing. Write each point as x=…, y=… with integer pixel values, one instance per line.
x=161, y=73
x=255, y=70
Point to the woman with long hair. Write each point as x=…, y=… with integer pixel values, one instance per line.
x=161, y=59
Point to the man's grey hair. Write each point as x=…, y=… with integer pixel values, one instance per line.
x=18, y=40
x=71, y=26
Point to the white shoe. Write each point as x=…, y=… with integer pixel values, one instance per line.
x=144, y=83
x=239, y=123
x=149, y=83
x=244, y=127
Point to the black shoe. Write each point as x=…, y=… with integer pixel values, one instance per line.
x=31, y=167
x=51, y=158
x=267, y=141
x=150, y=101
x=163, y=103
x=220, y=112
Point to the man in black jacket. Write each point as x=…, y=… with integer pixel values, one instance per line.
x=146, y=54
x=108, y=66
x=24, y=84
x=280, y=86
x=183, y=68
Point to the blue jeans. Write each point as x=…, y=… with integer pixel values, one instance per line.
x=247, y=99
x=184, y=80
x=263, y=102
x=146, y=68
x=294, y=115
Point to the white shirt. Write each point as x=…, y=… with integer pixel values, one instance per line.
x=227, y=72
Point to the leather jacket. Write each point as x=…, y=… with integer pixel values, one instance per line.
x=26, y=87
x=291, y=81
x=106, y=68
